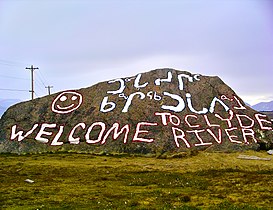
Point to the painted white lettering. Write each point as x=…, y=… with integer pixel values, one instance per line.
x=240, y=116
x=239, y=103
x=228, y=120
x=73, y=140
x=168, y=79
x=232, y=137
x=163, y=117
x=105, y=103
x=87, y=135
x=150, y=94
x=202, y=143
x=55, y=141
x=248, y=132
x=180, y=136
x=203, y=111
x=43, y=132
x=157, y=97
x=122, y=95
x=213, y=103
x=165, y=120
x=196, y=77
x=121, y=88
x=188, y=123
x=136, y=83
x=224, y=97
x=178, y=121
x=261, y=121
x=217, y=139
x=129, y=100
x=138, y=131
x=208, y=122
x=20, y=134
x=117, y=133
x=180, y=106
x=180, y=80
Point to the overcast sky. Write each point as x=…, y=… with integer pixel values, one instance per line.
x=78, y=43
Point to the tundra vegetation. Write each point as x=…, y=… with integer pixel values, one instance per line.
x=192, y=180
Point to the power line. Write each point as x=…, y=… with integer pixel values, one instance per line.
x=39, y=84
x=41, y=77
x=36, y=94
x=43, y=80
x=42, y=83
x=4, y=62
x=7, y=64
x=5, y=89
x=40, y=80
x=39, y=87
x=11, y=77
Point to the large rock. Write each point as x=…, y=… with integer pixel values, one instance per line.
x=164, y=110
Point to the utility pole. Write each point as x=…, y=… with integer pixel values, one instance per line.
x=32, y=80
x=48, y=88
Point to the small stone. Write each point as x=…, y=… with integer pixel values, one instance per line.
x=270, y=152
x=29, y=181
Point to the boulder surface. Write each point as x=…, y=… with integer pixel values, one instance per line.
x=161, y=111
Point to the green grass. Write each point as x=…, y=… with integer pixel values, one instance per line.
x=85, y=181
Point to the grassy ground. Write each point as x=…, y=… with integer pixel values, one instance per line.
x=84, y=181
